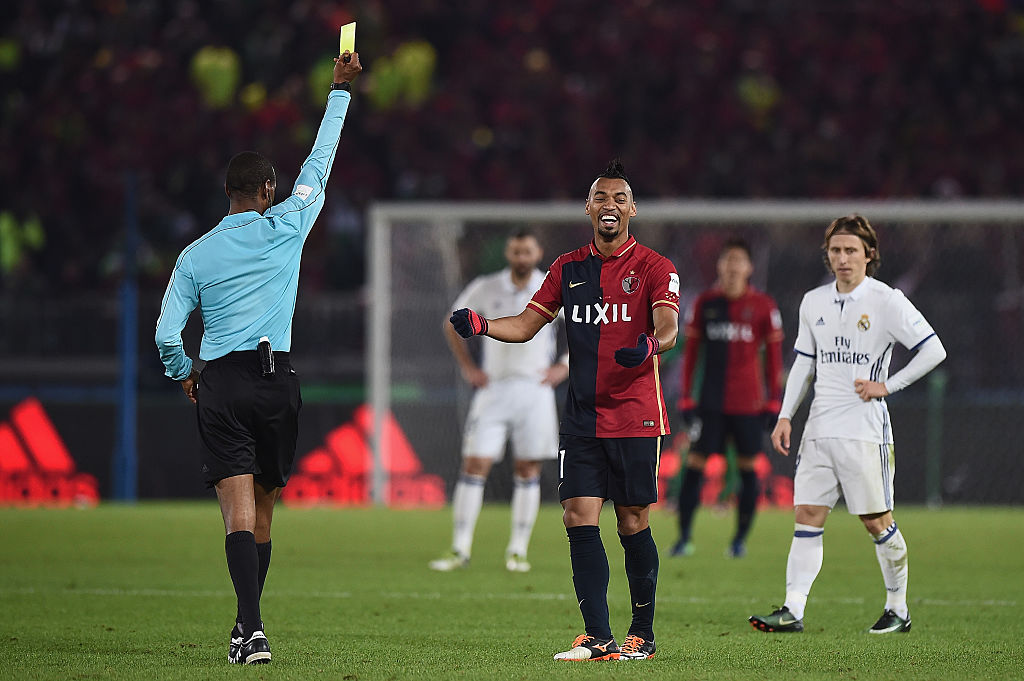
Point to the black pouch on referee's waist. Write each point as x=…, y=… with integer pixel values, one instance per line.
x=266, y=355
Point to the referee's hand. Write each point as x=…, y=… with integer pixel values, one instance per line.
x=468, y=323
x=190, y=385
x=345, y=71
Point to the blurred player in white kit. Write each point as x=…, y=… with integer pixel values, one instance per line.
x=515, y=399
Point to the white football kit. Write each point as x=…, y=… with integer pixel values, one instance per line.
x=514, y=403
x=847, y=444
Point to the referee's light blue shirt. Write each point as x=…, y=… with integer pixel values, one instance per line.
x=244, y=273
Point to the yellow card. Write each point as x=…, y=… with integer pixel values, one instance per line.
x=348, y=38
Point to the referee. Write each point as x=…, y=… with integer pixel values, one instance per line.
x=243, y=275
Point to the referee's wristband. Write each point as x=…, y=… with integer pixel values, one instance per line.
x=346, y=86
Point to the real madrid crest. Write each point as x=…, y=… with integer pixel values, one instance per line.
x=864, y=324
x=630, y=284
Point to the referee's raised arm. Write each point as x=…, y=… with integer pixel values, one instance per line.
x=301, y=209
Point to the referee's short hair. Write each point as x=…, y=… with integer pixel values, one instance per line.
x=247, y=172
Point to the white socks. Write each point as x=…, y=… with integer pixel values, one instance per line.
x=469, y=498
x=805, y=557
x=891, y=549
x=466, y=503
x=525, y=502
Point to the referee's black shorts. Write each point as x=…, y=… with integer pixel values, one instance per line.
x=248, y=423
x=623, y=469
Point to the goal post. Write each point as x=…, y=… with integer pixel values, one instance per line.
x=417, y=258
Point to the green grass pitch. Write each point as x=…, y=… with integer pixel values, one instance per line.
x=141, y=592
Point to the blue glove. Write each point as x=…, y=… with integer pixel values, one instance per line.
x=468, y=323
x=634, y=357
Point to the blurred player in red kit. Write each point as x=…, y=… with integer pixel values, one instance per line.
x=727, y=328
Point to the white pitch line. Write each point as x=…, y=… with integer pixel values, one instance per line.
x=466, y=596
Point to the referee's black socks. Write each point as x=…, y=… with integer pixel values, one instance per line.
x=263, y=552
x=244, y=568
x=642, y=573
x=590, y=577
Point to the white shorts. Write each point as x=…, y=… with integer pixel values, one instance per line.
x=861, y=471
x=520, y=408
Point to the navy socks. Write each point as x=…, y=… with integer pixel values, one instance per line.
x=590, y=577
x=641, y=558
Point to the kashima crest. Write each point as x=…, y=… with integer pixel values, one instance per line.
x=630, y=284
x=864, y=324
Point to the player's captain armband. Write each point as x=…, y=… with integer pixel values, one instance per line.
x=302, y=191
x=673, y=283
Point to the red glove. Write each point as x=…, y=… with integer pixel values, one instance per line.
x=468, y=323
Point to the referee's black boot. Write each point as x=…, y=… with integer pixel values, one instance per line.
x=254, y=649
x=235, y=645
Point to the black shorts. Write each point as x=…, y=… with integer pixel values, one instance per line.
x=248, y=423
x=623, y=469
x=745, y=429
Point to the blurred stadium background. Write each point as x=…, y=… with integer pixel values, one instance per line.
x=117, y=120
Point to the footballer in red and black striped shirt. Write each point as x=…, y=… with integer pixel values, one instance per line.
x=609, y=301
x=728, y=329
x=621, y=302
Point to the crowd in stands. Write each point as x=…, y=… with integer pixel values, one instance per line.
x=483, y=100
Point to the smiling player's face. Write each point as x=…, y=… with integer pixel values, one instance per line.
x=610, y=206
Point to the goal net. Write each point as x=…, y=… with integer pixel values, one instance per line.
x=958, y=261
